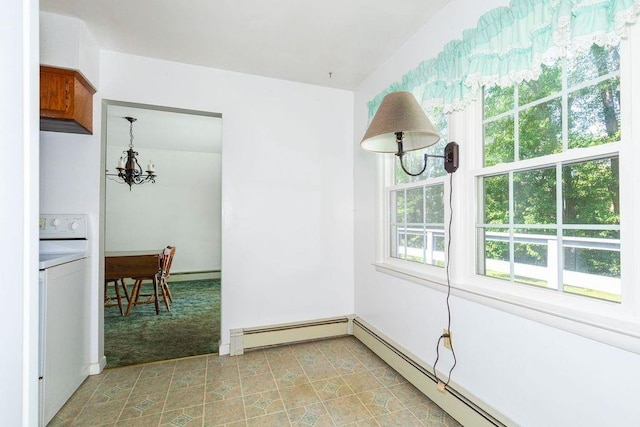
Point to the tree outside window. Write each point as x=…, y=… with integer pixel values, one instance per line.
x=551, y=214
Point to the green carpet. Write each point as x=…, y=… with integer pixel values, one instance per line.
x=191, y=328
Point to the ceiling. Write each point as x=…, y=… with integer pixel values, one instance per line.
x=333, y=43
x=164, y=130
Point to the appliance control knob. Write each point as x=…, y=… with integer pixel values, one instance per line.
x=55, y=222
x=74, y=225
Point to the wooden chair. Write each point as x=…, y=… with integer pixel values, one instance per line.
x=159, y=282
x=108, y=300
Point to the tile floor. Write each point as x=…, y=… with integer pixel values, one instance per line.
x=334, y=382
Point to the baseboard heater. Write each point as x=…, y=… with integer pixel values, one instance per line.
x=181, y=276
x=248, y=338
x=455, y=401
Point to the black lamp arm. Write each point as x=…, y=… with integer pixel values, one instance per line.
x=450, y=157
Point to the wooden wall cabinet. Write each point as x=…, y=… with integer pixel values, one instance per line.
x=66, y=101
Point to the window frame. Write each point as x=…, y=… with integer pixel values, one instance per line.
x=616, y=324
x=387, y=184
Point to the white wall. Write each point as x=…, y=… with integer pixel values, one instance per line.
x=534, y=374
x=69, y=178
x=19, y=212
x=287, y=204
x=182, y=208
x=287, y=225
x=65, y=42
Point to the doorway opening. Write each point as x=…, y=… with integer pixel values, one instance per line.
x=181, y=209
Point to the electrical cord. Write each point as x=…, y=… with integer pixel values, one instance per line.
x=447, y=335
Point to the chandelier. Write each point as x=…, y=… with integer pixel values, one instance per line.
x=129, y=170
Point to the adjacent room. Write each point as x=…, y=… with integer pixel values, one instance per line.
x=342, y=213
x=176, y=206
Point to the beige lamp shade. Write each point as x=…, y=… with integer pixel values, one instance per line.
x=399, y=112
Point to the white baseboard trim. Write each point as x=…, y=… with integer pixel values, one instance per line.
x=96, y=367
x=223, y=349
x=248, y=338
x=457, y=402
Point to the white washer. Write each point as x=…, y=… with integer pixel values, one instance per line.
x=64, y=310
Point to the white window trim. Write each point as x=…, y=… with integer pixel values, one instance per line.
x=385, y=260
x=610, y=323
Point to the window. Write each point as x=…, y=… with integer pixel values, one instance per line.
x=549, y=213
x=416, y=204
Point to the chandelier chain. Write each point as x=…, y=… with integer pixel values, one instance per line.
x=131, y=134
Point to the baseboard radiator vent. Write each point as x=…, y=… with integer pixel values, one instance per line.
x=456, y=401
x=183, y=276
x=250, y=338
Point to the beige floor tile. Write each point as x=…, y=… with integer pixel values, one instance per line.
x=311, y=357
x=226, y=372
x=402, y=418
x=380, y=401
x=362, y=381
x=224, y=389
x=148, y=421
x=224, y=412
x=257, y=383
x=409, y=395
x=387, y=376
x=347, y=365
x=87, y=388
x=303, y=347
x=184, y=397
x=294, y=375
x=287, y=361
x=217, y=360
x=351, y=387
x=252, y=356
x=257, y=405
x=143, y=404
x=102, y=413
x=354, y=345
x=253, y=367
x=158, y=369
x=311, y=415
x=320, y=371
x=112, y=390
x=278, y=419
x=345, y=410
x=117, y=375
x=431, y=414
x=185, y=417
x=330, y=345
x=152, y=384
x=298, y=395
x=188, y=378
x=279, y=352
x=371, y=361
x=67, y=413
x=369, y=422
x=332, y=388
x=196, y=363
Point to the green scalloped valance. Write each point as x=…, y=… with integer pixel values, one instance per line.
x=510, y=44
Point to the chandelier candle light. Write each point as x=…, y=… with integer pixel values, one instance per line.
x=129, y=170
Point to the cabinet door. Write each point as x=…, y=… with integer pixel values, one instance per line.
x=56, y=94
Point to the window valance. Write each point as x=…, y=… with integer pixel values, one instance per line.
x=510, y=44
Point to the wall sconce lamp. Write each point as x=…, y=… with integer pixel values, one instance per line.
x=400, y=125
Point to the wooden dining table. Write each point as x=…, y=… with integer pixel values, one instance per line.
x=132, y=264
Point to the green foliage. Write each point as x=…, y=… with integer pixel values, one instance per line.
x=589, y=189
x=549, y=83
